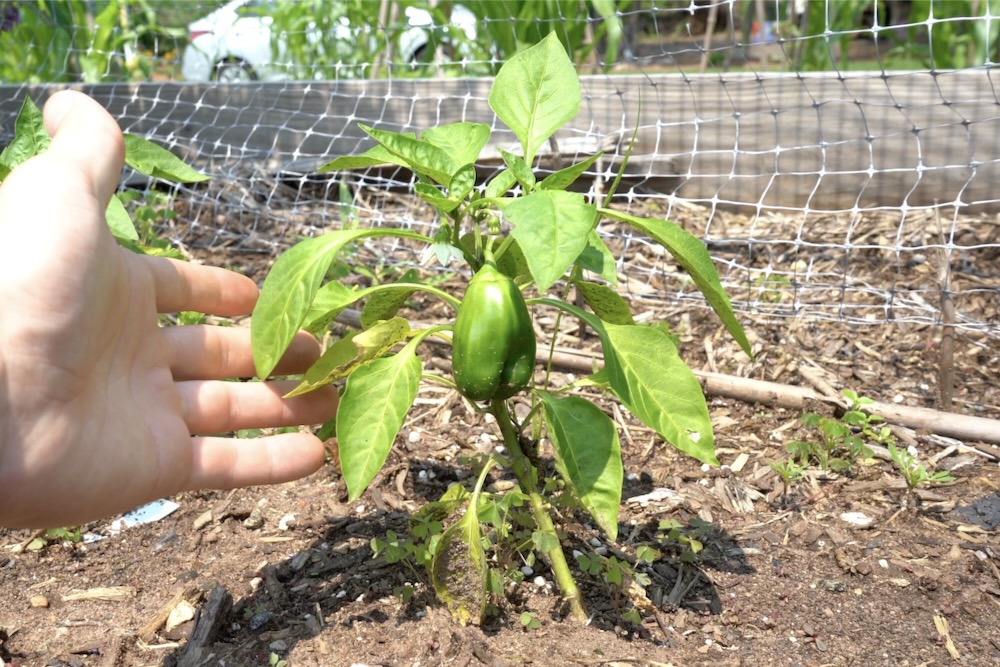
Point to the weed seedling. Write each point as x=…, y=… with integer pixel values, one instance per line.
x=790, y=472
x=915, y=473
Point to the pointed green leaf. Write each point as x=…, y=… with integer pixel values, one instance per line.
x=463, y=141
x=119, y=221
x=693, y=257
x=421, y=156
x=535, y=93
x=660, y=389
x=153, y=160
x=433, y=196
x=565, y=177
x=597, y=258
x=290, y=287
x=500, y=184
x=520, y=169
x=459, y=571
x=30, y=136
x=373, y=157
x=551, y=227
x=371, y=413
x=463, y=182
x=331, y=299
x=384, y=303
x=588, y=455
x=605, y=302
x=352, y=352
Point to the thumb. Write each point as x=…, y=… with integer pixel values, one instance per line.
x=87, y=138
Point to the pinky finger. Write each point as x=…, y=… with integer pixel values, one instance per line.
x=229, y=463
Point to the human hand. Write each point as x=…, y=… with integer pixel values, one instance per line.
x=101, y=409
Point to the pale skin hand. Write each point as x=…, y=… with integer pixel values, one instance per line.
x=101, y=409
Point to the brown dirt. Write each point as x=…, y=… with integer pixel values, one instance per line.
x=778, y=583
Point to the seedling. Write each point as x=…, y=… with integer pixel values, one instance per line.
x=520, y=235
x=915, y=473
x=530, y=620
x=838, y=448
x=790, y=472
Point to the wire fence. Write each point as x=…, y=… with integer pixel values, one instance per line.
x=839, y=157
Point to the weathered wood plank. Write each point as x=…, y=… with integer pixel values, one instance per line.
x=822, y=141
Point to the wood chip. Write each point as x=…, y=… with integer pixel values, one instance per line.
x=941, y=623
x=106, y=594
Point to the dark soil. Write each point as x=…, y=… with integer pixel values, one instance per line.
x=784, y=582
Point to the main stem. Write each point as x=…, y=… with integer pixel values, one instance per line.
x=527, y=477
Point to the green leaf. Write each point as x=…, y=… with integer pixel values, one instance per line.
x=331, y=299
x=552, y=228
x=535, y=93
x=30, y=137
x=384, y=303
x=660, y=389
x=463, y=182
x=290, y=287
x=459, y=571
x=588, y=455
x=565, y=177
x=119, y=221
x=500, y=184
x=421, y=156
x=433, y=196
x=463, y=141
x=605, y=302
x=693, y=257
x=153, y=160
x=351, y=353
x=520, y=169
x=597, y=258
x=371, y=413
x=373, y=157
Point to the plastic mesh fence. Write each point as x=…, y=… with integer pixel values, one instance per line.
x=839, y=158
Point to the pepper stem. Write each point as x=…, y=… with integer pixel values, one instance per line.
x=527, y=477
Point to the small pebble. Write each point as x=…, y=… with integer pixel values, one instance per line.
x=286, y=522
x=527, y=571
x=39, y=601
x=539, y=581
x=413, y=437
x=255, y=521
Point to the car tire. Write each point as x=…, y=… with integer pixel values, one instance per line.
x=233, y=70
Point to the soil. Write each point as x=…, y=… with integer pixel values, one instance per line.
x=844, y=569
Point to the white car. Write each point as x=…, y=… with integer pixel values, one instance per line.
x=233, y=43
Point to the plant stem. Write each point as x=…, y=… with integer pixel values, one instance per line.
x=527, y=477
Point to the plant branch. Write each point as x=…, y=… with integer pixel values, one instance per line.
x=527, y=477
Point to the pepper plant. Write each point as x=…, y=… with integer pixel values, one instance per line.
x=521, y=236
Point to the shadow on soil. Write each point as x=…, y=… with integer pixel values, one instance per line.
x=337, y=580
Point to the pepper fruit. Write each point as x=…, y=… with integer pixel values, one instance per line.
x=493, y=352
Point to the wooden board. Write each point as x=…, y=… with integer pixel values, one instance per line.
x=823, y=141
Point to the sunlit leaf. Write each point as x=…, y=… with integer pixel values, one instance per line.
x=536, y=92
x=693, y=257
x=588, y=455
x=551, y=226
x=350, y=353
x=660, y=388
x=290, y=287
x=153, y=160
x=605, y=302
x=371, y=413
